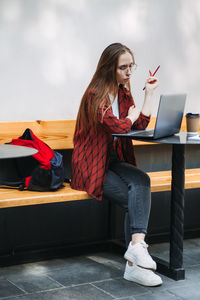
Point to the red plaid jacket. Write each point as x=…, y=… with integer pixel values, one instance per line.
x=91, y=154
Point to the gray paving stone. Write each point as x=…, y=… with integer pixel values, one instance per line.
x=192, y=250
x=121, y=288
x=109, y=259
x=188, y=292
x=193, y=273
x=34, y=283
x=105, y=273
x=190, y=260
x=167, y=283
x=41, y=267
x=191, y=253
x=44, y=267
x=7, y=289
x=82, y=292
x=126, y=298
x=160, y=250
x=190, y=243
x=19, y=269
x=84, y=272
x=164, y=295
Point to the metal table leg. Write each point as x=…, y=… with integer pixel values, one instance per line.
x=177, y=211
x=174, y=268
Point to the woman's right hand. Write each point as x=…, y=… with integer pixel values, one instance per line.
x=133, y=113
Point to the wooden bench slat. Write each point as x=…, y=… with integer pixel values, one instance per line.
x=12, y=197
x=160, y=181
x=58, y=134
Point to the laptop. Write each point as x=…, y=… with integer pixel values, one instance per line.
x=168, y=121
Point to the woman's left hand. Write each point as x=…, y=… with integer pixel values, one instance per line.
x=151, y=83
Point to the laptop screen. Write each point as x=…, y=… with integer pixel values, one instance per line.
x=170, y=114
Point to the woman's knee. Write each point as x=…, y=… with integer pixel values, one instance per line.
x=130, y=174
x=143, y=178
x=137, y=177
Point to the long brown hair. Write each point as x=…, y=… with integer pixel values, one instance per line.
x=103, y=82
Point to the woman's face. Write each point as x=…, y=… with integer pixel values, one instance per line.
x=124, y=68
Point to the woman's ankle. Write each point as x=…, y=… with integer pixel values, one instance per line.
x=137, y=238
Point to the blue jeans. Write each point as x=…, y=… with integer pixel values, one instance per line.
x=129, y=187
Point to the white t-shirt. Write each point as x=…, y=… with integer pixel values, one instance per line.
x=115, y=107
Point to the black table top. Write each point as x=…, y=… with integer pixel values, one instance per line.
x=12, y=151
x=179, y=138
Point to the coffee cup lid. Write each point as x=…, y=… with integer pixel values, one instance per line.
x=190, y=115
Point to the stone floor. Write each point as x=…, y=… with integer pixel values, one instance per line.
x=97, y=276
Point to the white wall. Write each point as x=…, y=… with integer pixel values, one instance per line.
x=49, y=50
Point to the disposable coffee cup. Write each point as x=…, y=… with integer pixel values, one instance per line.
x=192, y=123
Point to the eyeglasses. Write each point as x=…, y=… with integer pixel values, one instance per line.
x=131, y=67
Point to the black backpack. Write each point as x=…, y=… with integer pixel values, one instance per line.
x=46, y=171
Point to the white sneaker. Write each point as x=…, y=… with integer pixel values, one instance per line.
x=142, y=276
x=139, y=255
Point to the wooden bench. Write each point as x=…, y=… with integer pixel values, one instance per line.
x=59, y=135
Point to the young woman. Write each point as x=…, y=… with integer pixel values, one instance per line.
x=105, y=166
